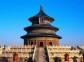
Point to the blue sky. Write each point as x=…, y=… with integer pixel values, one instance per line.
x=68, y=15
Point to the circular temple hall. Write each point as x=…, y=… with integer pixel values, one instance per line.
x=41, y=44
x=41, y=32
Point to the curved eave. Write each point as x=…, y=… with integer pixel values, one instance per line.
x=38, y=35
x=45, y=17
x=40, y=26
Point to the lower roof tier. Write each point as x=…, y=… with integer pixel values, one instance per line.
x=40, y=26
x=40, y=35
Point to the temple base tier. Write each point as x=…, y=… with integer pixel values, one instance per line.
x=42, y=41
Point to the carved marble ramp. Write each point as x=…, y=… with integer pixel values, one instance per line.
x=40, y=55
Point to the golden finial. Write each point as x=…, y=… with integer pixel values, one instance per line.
x=41, y=8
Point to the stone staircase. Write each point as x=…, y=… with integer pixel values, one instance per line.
x=40, y=55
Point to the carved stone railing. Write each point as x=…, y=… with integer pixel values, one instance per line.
x=34, y=53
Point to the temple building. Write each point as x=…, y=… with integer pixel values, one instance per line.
x=41, y=44
x=41, y=33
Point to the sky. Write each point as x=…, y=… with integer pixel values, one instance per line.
x=68, y=15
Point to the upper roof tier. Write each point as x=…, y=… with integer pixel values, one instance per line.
x=41, y=14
